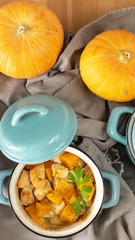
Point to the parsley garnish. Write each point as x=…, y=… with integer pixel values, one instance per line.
x=80, y=178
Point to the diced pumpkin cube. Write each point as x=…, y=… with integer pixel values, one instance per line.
x=48, y=170
x=91, y=186
x=43, y=208
x=37, y=176
x=69, y=160
x=59, y=171
x=64, y=189
x=24, y=179
x=67, y=215
x=73, y=197
x=55, y=197
x=40, y=193
x=31, y=211
x=30, y=166
x=27, y=196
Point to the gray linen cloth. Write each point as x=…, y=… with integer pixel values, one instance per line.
x=64, y=81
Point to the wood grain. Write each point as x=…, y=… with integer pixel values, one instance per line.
x=74, y=14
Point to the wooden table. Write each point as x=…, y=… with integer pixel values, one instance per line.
x=74, y=14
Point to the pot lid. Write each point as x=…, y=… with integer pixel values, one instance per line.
x=37, y=128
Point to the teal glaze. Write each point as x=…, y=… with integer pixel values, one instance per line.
x=37, y=128
x=133, y=137
x=115, y=189
x=112, y=127
x=3, y=174
x=113, y=124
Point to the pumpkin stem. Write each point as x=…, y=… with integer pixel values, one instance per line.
x=125, y=56
x=22, y=29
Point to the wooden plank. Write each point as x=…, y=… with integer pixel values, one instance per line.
x=75, y=14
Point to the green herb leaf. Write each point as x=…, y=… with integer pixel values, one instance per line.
x=85, y=179
x=86, y=189
x=77, y=206
x=79, y=173
x=83, y=203
x=71, y=177
x=79, y=178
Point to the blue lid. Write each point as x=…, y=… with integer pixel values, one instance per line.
x=37, y=128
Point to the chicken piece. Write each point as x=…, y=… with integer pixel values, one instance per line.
x=37, y=176
x=56, y=160
x=59, y=171
x=50, y=214
x=88, y=203
x=82, y=164
x=27, y=196
x=43, y=208
x=40, y=193
x=69, y=160
x=58, y=208
x=24, y=180
x=55, y=220
x=88, y=172
x=31, y=211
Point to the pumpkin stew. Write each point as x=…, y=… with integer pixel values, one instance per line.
x=58, y=191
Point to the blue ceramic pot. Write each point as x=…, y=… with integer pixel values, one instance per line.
x=36, y=129
x=66, y=230
x=129, y=138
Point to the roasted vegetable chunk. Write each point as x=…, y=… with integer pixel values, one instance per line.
x=31, y=211
x=55, y=220
x=30, y=166
x=67, y=215
x=27, y=196
x=37, y=176
x=58, y=208
x=69, y=160
x=64, y=189
x=40, y=193
x=24, y=179
x=85, y=186
x=43, y=208
x=59, y=171
x=55, y=197
x=48, y=170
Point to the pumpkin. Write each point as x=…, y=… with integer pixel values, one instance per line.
x=31, y=39
x=107, y=65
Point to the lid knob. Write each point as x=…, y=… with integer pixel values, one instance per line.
x=26, y=110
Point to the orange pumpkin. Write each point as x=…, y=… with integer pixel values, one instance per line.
x=107, y=65
x=31, y=39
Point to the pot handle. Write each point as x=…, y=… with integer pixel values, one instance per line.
x=3, y=174
x=115, y=189
x=113, y=123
